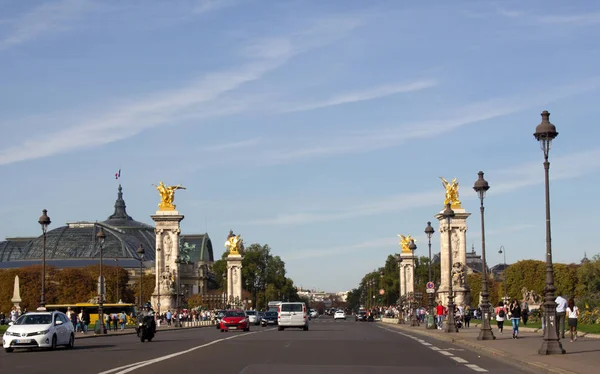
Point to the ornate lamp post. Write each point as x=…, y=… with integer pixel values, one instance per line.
x=117, y=272
x=502, y=251
x=178, y=261
x=381, y=274
x=485, y=333
x=141, y=252
x=413, y=320
x=448, y=214
x=401, y=311
x=429, y=232
x=545, y=132
x=100, y=237
x=224, y=298
x=44, y=221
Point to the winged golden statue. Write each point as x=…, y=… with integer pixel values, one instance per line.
x=167, y=195
x=234, y=243
x=405, y=242
x=451, y=193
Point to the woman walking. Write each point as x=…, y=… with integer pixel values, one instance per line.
x=573, y=314
x=500, y=313
x=515, y=317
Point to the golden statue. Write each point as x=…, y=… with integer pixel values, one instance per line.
x=234, y=243
x=451, y=193
x=167, y=195
x=405, y=242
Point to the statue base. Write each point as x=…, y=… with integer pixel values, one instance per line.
x=167, y=301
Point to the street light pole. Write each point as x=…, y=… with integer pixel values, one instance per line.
x=117, y=293
x=44, y=221
x=141, y=252
x=448, y=213
x=545, y=132
x=502, y=251
x=401, y=311
x=429, y=232
x=177, y=303
x=100, y=236
x=485, y=333
x=224, y=289
x=413, y=320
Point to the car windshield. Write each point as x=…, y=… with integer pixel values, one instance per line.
x=34, y=319
x=250, y=313
x=270, y=314
x=234, y=313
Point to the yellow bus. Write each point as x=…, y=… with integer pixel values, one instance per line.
x=92, y=309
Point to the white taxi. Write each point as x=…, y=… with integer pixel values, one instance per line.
x=339, y=314
x=39, y=330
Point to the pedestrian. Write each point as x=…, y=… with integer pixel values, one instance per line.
x=467, y=316
x=515, y=317
x=573, y=314
x=85, y=320
x=439, y=315
x=524, y=312
x=561, y=311
x=500, y=313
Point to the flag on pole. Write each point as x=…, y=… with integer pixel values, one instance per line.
x=118, y=175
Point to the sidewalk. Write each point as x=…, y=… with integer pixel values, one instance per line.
x=131, y=330
x=581, y=357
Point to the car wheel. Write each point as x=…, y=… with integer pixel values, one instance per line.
x=53, y=346
x=222, y=330
x=279, y=328
x=142, y=338
x=8, y=350
x=247, y=329
x=71, y=342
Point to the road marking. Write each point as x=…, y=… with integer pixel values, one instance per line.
x=459, y=360
x=445, y=353
x=476, y=368
x=131, y=367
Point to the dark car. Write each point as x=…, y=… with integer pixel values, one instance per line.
x=370, y=318
x=361, y=316
x=270, y=318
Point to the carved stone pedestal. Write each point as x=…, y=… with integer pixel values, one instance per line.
x=167, y=250
x=234, y=277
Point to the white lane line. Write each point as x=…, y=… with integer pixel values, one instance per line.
x=426, y=344
x=446, y=353
x=131, y=367
x=476, y=368
x=434, y=348
x=459, y=360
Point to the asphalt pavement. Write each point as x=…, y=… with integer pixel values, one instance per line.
x=329, y=346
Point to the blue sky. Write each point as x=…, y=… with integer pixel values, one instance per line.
x=318, y=127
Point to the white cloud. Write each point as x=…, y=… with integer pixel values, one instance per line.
x=164, y=108
x=367, y=94
x=47, y=18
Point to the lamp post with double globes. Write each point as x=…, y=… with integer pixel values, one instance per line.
x=429, y=232
x=448, y=214
x=502, y=251
x=100, y=237
x=44, y=221
x=485, y=333
x=545, y=132
x=141, y=252
x=413, y=320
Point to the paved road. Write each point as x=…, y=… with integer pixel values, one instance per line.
x=329, y=346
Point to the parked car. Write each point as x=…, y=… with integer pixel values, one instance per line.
x=269, y=318
x=39, y=330
x=361, y=316
x=252, y=317
x=292, y=314
x=339, y=314
x=234, y=320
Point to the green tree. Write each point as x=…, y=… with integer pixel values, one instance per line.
x=530, y=274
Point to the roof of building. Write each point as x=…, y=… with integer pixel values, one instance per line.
x=77, y=241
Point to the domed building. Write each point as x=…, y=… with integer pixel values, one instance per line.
x=75, y=245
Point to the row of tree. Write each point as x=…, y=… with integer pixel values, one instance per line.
x=581, y=281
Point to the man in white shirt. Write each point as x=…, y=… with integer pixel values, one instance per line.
x=561, y=310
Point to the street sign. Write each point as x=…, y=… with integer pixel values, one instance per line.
x=430, y=286
x=430, y=290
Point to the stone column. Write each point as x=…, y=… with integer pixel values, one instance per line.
x=16, y=299
x=234, y=279
x=408, y=260
x=458, y=231
x=167, y=232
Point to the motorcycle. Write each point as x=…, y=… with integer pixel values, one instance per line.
x=146, y=329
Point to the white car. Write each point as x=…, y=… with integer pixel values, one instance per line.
x=339, y=314
x=39, y=330
x=314, y=313
x=252, y=317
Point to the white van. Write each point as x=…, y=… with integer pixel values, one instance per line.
x=292, y=315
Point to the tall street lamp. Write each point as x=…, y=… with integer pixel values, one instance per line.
x=224, y=289
x=399, y=259
x=545, y=132
x=141, y=252
x=381, y=274
x=502, y=251
x=485, y=333
x=448, y=214
x=429, y=232
x=413, y=320
x=44, y=221
x=117, y=272
x=177, y=303
x=100, y=237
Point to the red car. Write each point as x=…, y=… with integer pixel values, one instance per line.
x=234, y=320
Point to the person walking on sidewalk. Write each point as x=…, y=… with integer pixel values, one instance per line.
x=561, y=311
x=439, y=315
x=500, y=313
x=524, y=312
x=515, y=317
x=573, y=314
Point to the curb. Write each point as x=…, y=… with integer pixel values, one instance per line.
x=490, y=352
x=132, y=332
